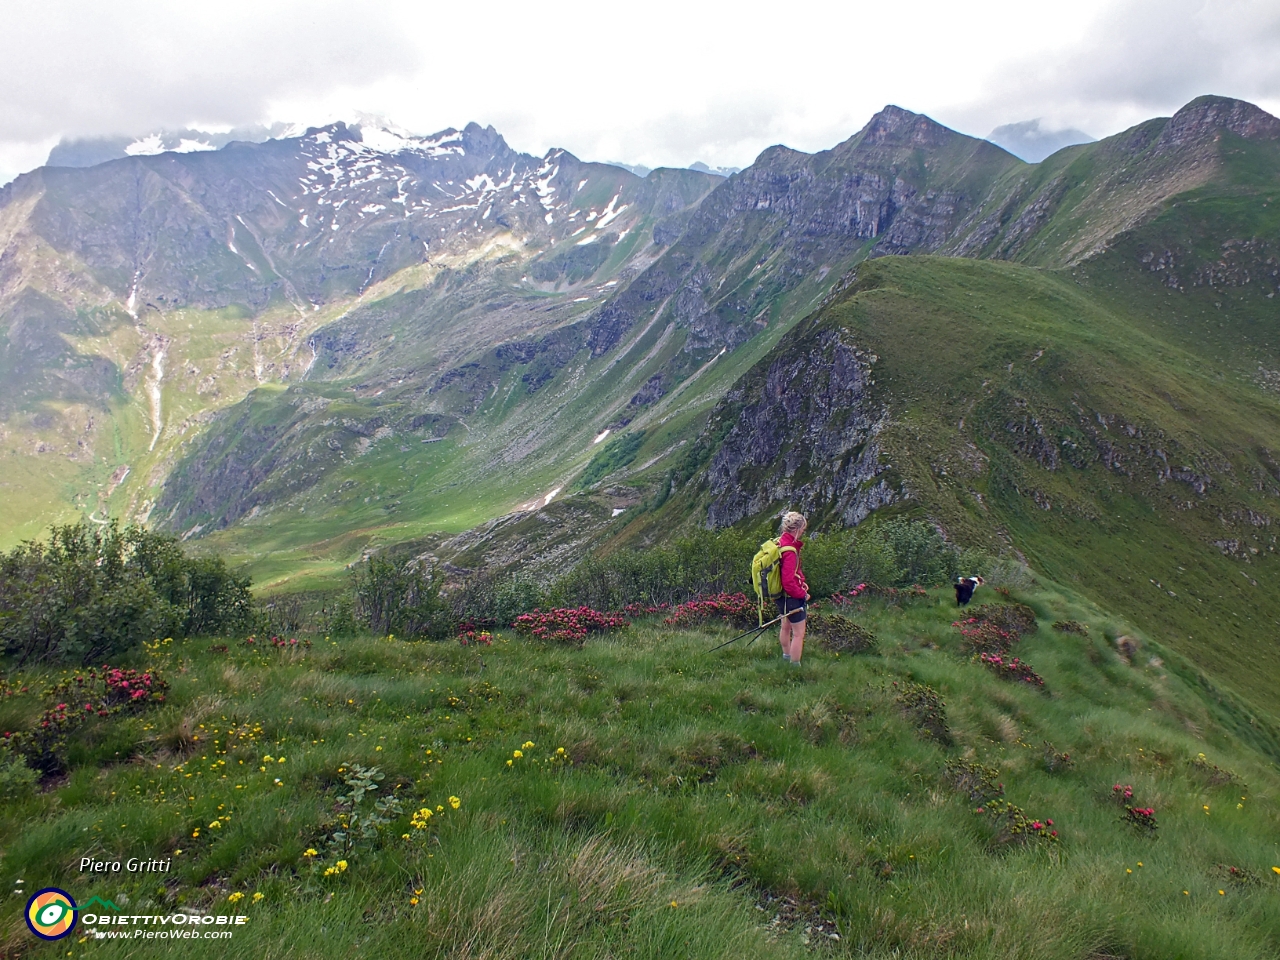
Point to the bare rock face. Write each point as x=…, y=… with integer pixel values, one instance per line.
x=1203, y=119
x=803, y=434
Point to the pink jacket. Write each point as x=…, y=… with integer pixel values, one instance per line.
x=793, y=583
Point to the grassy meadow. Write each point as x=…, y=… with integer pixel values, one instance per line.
x=642, y=796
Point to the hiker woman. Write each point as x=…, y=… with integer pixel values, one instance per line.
x=791, y=605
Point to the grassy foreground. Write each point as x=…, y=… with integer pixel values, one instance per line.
x=639, y=797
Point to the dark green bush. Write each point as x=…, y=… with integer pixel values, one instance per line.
x=697, y=564
x=401, y=596
x=488, y=600
x=93, y=592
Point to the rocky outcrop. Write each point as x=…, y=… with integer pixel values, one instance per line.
x=801, y=433
x=1205, y=117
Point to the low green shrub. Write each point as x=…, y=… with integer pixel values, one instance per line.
x=841, y=634
x=17, y=780
x=922, y=705
x=400, y=596
x=93, y=592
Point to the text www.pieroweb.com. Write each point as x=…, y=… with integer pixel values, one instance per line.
x=178, y=926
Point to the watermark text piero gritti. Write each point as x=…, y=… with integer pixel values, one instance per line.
x=132, y=865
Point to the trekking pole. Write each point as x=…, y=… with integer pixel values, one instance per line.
x=756, y=630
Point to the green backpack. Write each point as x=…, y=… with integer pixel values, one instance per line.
x=766, y=574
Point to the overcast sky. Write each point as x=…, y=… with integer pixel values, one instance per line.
x=662, y=82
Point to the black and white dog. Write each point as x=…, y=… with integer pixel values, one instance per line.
x=965, y=587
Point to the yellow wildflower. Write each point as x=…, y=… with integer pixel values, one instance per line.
x=517, y=754
x=309, y=852
x=528, y=745
x=257, y=897
x=455, y=802
x=236, y=897
x=342, y=864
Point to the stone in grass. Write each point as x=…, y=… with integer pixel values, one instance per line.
x=1127, y=647
x=1071, y=626
x=841, y=634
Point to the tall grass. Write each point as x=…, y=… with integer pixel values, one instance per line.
x=703, y=806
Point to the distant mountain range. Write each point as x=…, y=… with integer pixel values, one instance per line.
x=300, y=349
x=1034, y=143
x=91, y=151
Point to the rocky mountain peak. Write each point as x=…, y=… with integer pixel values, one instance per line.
x=1205, y=117
x=894, y=125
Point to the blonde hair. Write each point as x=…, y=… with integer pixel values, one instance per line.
x=793, y=522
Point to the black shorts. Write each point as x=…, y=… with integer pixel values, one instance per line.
x=793, y=608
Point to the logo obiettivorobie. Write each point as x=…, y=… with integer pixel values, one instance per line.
x=51, y=913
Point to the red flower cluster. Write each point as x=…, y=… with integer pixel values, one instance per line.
x=57, y=716
x=840, y=598
x=733, y=608
x=111, y=688
x=1013, y=669
x=291, y=642
x=1144, y=818
x=982, y=635
x=469, y=638
x=103, y=692
x=1012, y=825
x=567, y=625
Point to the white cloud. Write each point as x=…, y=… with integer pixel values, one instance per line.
x=667, y=82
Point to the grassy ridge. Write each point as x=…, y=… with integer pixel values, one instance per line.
x=1009, y=388
x=704, y=806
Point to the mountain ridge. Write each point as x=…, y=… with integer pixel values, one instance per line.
x=479, y=330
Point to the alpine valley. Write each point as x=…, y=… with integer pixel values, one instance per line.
x=299, y=351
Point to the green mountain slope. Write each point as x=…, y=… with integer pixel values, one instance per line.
x=1035, y=411
x=141, y=296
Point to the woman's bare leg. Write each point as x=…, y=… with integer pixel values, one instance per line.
x=784, y=637
x=797, y=641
